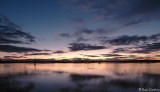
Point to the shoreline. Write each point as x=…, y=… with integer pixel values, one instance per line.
x=82, y=61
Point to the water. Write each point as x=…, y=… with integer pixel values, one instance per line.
x=81, y=77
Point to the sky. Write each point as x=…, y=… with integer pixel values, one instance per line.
x=80, y=29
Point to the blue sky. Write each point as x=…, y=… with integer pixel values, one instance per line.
x=79, y=28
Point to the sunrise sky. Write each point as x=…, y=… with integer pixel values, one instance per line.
x=90, y=29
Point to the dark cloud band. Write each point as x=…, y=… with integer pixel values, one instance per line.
x=84, y=46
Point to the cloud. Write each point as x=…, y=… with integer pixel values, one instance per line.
x=137, y=49
x=65, y=35
x=90, y=55
x=120, y=50
x=13, y=57
x=155, y=37
x=85, y=34
x=11, y=48
x=134, y=12
x=133, y=44
x=144, y=49
x=11, y=33
x=78, y=22
x=141, y=51
x=7, y=41
x=35, y=54
x=149, y=48
x=59, y=52
x=82, y=39
x=84, y=46
x=111, y=55
x=86, y=31
x=130, y=40
x=157, y=55
x=127, y=40
x=123, y=13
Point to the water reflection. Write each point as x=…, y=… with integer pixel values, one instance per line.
x=12, y=83
x=70, y=77
x=84, y=77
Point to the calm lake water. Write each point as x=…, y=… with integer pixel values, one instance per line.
x=81, y=77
